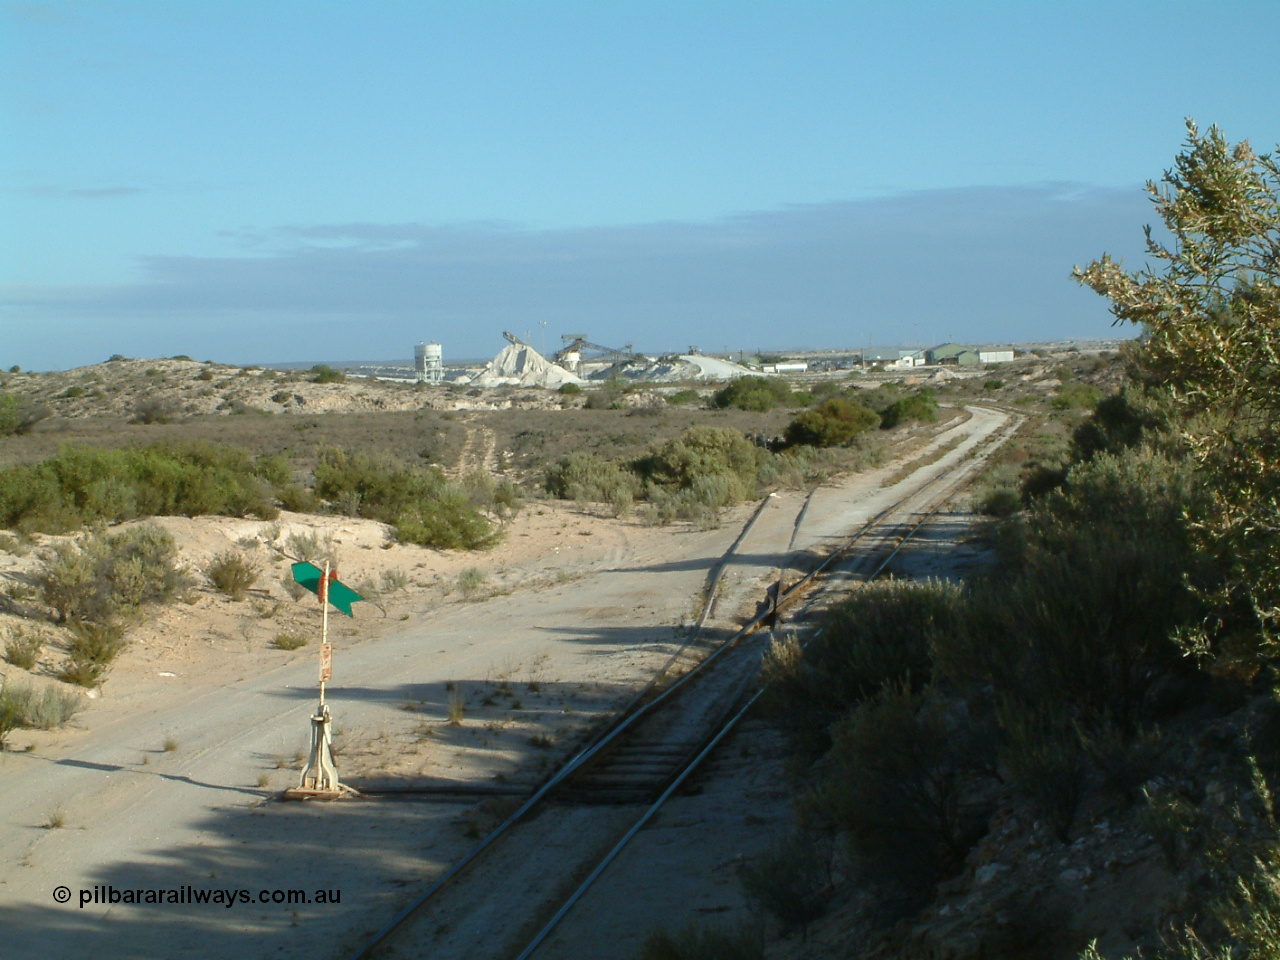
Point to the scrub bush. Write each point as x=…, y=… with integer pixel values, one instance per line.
x=753, y=393
x=883, y=633
x=832, y=422
x=903, y=764
x=23, y=651
x=693, y=943
x=921, y=406
x=702, y=452
x=110, y=574
x=82, y=485
x=326, y=374
x=792, y=881
x=232, y=573
x=418, y=502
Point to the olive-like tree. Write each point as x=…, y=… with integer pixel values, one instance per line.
x=1209, y=305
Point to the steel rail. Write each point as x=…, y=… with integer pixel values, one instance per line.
x=720, y=734
x=594, y=747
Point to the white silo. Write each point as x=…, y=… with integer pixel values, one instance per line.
x=420, y=362
x=433, y=362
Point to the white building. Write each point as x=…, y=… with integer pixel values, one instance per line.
x=995, y=356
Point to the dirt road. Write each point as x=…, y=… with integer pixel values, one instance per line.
x=194, y=819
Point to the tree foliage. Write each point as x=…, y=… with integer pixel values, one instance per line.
x=831, y=423
x=1209, y=306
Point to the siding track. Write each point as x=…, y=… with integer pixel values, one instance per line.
x=663, y=734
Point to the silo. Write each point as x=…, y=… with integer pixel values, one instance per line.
x=420, y=361
x=433, y=362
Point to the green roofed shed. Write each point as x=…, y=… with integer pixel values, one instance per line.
x=953, y=353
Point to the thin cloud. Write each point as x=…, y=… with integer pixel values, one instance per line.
x=977, y=264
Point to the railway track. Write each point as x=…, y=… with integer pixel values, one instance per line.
x=663, y=734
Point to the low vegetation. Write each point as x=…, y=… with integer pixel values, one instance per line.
x=38, y=708
x=23, y=649
x=695, y=475
x=701, y=943
x=831, y=423
x=754, y=393
x=232, y=573
x=97, y=586
x=84, y=485
x=1113, y=668
x=288, y=641
x=421, y=505
x=18, y=416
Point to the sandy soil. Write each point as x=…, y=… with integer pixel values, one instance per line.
x=576, y=613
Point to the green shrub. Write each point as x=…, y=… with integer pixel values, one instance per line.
x=570, y=389
x=833, y=422
x=883, y=633
x=19, y=416
x=94, y=645
x=71, y=393
x=23, y=650
x=288, y=641
x=1117, y=423
x=8, y=719
x=297, y=498
x=326, y=374
x=694, y=943
x=448, y=522
x=82, y=485
x=753, y=393
x=702, y=452
x=153, y=410
x=993, y=385
x=423, y=507
x=22, y=705
x=1073, y=627
x=232, y=573
x=902, y=764
x=921, y=406
x=1074, y=395
x=790, y=880
x=1043, y=752
x=999, y=502
x=586, y=476
x=109, y=574
x=684, y=396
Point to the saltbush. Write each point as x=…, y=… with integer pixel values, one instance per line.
x=110, y=574
x=82, y=485
x=23, y=650
x=419, y=502
x=39, y=708
x=832, y=422
x=753, y=393
x=19, y=416
x=232, y=573
x=921, y=406
x=902, y=765
x=883, y=633
x=586, y=476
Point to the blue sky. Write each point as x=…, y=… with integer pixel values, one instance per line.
x=275, y=181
